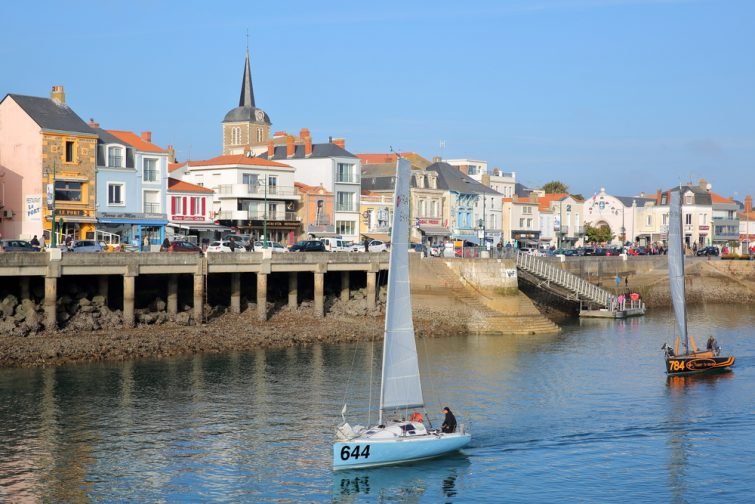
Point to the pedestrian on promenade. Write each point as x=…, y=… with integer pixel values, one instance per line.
x=165, y=246
x=499, y=247
x=35, y=243
x=366, y=245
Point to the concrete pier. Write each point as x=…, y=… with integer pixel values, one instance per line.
x=129, y=289
x=172, y=296
x=262, y=296
x=319, y=295
x=24, y=287
x=103, y=284
x=51, y=298
x=198, y=299
x=236, y=293
x=345, y=275
x=293, y=289
x=371, y=290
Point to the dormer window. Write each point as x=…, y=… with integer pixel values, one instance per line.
x=115, y=157
x=689, y=199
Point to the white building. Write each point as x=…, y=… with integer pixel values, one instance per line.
x=330, y=165
x=251, y=195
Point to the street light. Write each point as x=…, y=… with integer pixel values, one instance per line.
x=50, y=190
x=264, y=216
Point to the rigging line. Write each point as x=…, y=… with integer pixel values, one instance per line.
x=351, y=374
x=372, y=372
x=433, y=390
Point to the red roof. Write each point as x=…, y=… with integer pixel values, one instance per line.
x=544, y=202
x=174, y=166
x=308, y=189
x=239, y=159
x=136, y=141
x=176, y=185
x=717, y=198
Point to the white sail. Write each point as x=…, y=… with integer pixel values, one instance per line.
x=400, y=386
x=676, y=264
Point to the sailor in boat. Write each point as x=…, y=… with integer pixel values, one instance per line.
x=449, y=423
x=712, y=345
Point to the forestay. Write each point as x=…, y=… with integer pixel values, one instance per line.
x=400, y=386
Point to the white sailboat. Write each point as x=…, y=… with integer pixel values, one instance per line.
x=396, y=440
x=689, y=359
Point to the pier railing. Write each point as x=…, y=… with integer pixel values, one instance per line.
x=549, y=273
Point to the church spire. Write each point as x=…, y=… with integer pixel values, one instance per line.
x=247, y=91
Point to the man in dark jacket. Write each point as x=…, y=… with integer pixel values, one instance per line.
x=449, y=423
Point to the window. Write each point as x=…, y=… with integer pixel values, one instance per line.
x=649, y=220
x=272, y=210
x=272, y=185
x=521, y=223
x=345, y=227
x=422, y=206
x=344, y=201
x=67, y=191
x=151, y=201
x=196, y=205
x=115, y=194
x=259, y=135
x=150, y=170
x=251, y=180
x=178, y=207
x=115, y=157
x=689, y=199
x=70, y=158
x=529, y=223
x=703, y=219
x=345, y=173
x=665, y=219
x=433, y=209
x=527, y=210
x=688, y=219
x=472, y=170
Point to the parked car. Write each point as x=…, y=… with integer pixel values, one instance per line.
x=86, y=246
x=16, y=246
x=588, y=251
x=184, y=246
x=375, y=246
x=224, y=246
x=436, y=250
x=274, y=246
x=336, y=245
x=243, y=239
x=308, y=246
x=708, y=251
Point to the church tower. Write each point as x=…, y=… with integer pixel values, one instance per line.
x=246, y=127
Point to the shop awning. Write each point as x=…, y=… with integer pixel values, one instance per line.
x=431, y=230
x=199, y=227
x=76, y=218
x=378, y=236
x=139, y=222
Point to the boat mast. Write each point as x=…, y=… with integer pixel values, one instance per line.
x=676, y=265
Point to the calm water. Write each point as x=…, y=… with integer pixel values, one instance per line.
x=585, y=416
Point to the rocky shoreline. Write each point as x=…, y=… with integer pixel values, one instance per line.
x=157, y=337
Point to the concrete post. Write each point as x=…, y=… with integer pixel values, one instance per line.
x=371, y=290
x=198, y=299
x=24, y=284
x=235, y=292
x=344, y=286
x=51, y=302
x=262, y=296
x=172, y=296
x=103, y=283
x=319, y=295
x=293, y=289
x=129, y=288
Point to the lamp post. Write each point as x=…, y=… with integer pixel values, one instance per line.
x=264, y=217
x=50, y=190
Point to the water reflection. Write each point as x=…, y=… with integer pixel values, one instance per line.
x=434, y=480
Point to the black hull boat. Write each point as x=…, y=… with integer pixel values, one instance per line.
x=691, y=360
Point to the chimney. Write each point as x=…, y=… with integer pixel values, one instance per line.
x=290, y=147
x=93, y=124
x=437, y=159
x=171, y=154
x=307, y=145
x=658, y=197
x=270, y=150
x=748, y=204
x=304, y=133
x=147, y=136
x=340, y=142
x=58, y=95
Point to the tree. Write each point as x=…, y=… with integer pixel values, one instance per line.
x=598, y=234
x=555, y=186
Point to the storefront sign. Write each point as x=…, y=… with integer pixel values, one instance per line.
x=433, y=222
x=68, y=212
x=192, y=218
x=34, y=208
x=704, y=228
x=275, y=224
x=50, y=196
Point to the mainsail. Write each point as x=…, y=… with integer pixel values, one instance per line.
x=400, y=386
x=676, y=265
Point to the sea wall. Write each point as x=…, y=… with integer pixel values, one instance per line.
x=498, y=274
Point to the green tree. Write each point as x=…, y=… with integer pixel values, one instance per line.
x=555, y=186
x=598, y=234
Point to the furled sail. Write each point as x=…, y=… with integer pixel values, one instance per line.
x=676, y=264
x=400, y=387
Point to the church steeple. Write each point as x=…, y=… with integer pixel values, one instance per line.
x=247, y=91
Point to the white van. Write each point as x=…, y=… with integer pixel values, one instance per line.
x=335, y=244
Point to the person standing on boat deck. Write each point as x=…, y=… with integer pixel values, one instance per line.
x=449, y=423
x=713, y=345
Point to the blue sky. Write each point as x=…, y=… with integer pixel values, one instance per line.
x=631, y=95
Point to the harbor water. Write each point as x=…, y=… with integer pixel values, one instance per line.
x=584, y=416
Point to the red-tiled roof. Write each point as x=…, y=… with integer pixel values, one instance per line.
x=136, y=141
x=544, y=202
x=239, y=159
x=176, y=185
x=717, y=198
x=308, y=189
x=174, y=166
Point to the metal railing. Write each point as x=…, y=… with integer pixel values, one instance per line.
x=546, y=271
x=254, y=190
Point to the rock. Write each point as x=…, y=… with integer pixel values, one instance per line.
x=84, y=302
x=7, y=327
x=98, y=300
x=183, y=318
x=10, y=300
x=158, y=305
x=86, y=309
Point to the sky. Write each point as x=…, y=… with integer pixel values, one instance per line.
x=630, y=95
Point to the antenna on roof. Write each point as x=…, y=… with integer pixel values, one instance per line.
x=442, y=147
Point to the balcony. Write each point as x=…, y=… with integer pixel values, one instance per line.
x=257, y=215
x=152, y=208
x=225, y=191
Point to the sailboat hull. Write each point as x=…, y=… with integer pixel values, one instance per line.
x=361, y=453
x=698, y=363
